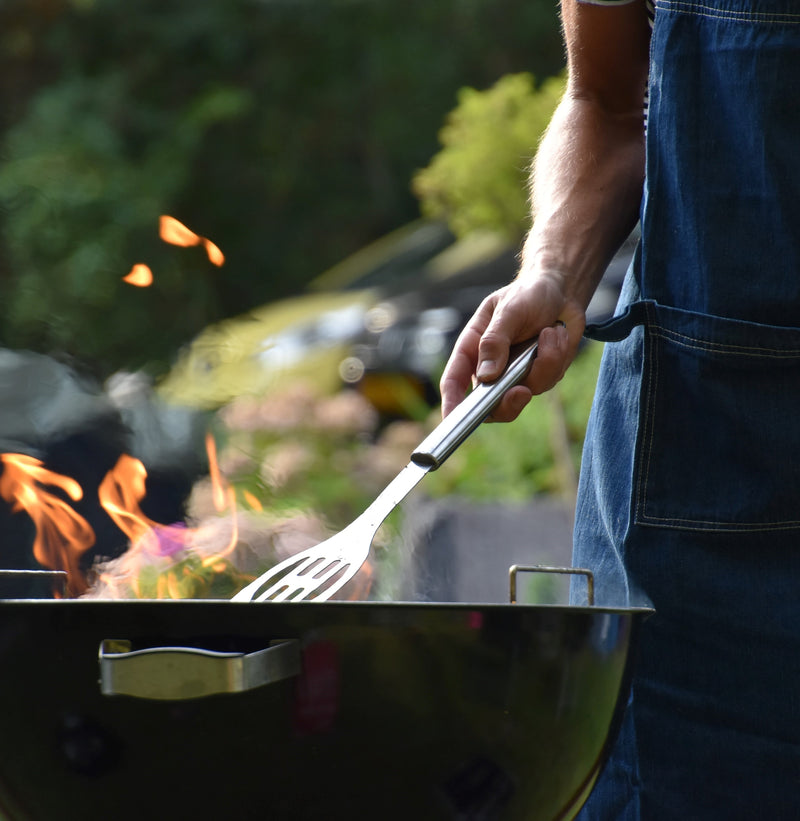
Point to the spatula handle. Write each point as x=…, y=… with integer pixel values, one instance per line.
x=469, y=414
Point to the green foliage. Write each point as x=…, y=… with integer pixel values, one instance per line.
x=478, y=180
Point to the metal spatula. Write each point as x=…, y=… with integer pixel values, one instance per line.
x=317, y=573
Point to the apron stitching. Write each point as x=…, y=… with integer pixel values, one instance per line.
x=742, y=350
x=652, y=367
x=700, y=10
x=751, y=527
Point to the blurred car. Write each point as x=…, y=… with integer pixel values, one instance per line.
x=382, y=322
x=407, y=337
x=307, y=336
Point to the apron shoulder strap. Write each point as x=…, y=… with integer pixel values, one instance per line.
x=618, y=327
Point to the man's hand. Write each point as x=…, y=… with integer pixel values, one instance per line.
x=514, y=314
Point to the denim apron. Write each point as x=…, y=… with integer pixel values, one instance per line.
x=689, y=495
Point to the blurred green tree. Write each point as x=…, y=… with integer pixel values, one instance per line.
x=478, y=181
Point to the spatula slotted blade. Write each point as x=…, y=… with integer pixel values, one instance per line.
x=319, y=572
x=316, y=573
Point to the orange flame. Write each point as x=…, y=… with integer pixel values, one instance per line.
x=217, y=484
x=120, y=493
x=214, y=254
x=140, y=275
x=252, y=501
x=62, y=535
x=176, y=233
x=224, y=497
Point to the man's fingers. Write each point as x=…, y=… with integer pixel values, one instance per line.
x=549, y=366
x=552, y=359
x=511, y=405
x=457, y=376
x=492, y=356
x=465, y=358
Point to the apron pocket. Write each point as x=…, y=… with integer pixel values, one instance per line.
x=718, y=445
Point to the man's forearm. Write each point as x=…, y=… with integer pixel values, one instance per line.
x=586, y=188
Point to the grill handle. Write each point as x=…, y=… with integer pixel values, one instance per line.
x=182, y=673
x=539, y=568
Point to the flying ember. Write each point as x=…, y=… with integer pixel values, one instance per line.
x=176, y=233
x=140, y=275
